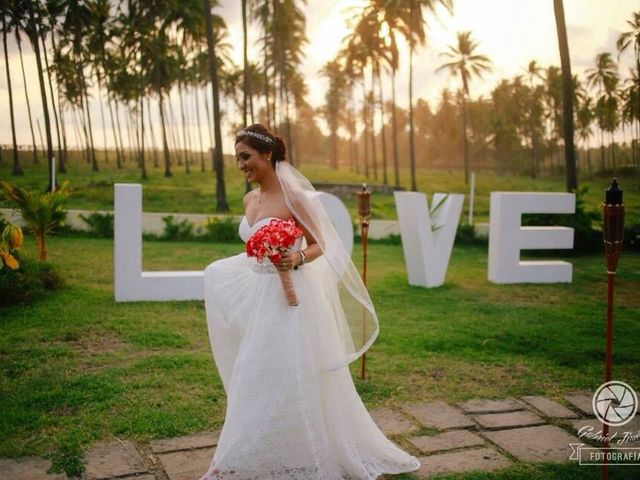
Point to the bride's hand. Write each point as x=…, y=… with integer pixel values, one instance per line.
x=288, y=261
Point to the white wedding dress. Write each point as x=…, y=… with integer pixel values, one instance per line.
x=287, y=418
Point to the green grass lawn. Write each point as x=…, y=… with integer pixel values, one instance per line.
x=194, y=192
x=78, y=367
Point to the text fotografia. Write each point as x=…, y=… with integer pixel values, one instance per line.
x=598, y=456
x=613, y=437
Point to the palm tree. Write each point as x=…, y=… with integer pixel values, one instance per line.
x=99, y=34
x=604, y=77
x=584, y=119
x=535, y=112
x=630, y=97
x=553, y=107
x=26, y=95
x=406, y=18
x=567, y=98
x=625, y=40
x=32, y=29
x=4, y=12
x=54, y=9
x=335, y=98
x=77, y=19
x=465, y=62
x=221, y=200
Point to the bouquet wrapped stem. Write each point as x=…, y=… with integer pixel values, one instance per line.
x=271, y=241
x=287, y=286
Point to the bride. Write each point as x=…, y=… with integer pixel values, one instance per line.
x=292, y=409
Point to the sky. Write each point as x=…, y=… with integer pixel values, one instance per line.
x=510, y=32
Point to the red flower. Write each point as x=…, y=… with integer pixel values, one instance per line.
x=273, y=239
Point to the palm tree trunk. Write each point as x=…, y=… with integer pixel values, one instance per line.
x=143, y=166
x=47, y=124
x=245, y=61
x=127, y=125
x=412, y=154
x=197, y=107
x=94, y=163
x=76, y=130
x=26, y=95
x=40, y=134
x=184, y=129
x=17, y=169
x=612, y=146
x=372, y=117
x=292, y=159
x=221, y=199
x=113, y=131
x=602, y=163
x=61, y=164
x=63, y=160
x=104, y=123
x=394, y=129
x=63, y=131
x=567, y=91
x=350, y=121
x=383, y=131
x=266, y=97
x=152, y=135
x=464, y=137
x=172, y=131
x=365, y=133
x=206, y=106
x=165, y=145
x=119, y=130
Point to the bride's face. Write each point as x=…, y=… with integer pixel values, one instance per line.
x=251, y=162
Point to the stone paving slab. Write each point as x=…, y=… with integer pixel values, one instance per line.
x=187, y=442
x=548, y=407
x=438, y=415
x=482, y=405
x=596, y=428
x=446, y=441
x=546, y=443
x=187, y=465
x=486, y=459
x=391, y=422
x=582, y=401
x=31, y=468
x=494, y=421
x=112, y=459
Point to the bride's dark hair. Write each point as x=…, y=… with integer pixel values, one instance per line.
x=268, y=143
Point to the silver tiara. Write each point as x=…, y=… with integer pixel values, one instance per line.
x=259, y=136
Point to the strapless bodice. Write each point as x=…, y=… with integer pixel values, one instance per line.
x=245, y=230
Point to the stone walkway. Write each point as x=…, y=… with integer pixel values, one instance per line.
x=478, y=434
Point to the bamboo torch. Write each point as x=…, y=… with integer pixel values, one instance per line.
x=613, y=229
x=364, y=213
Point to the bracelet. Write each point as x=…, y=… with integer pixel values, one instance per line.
x=303, y=258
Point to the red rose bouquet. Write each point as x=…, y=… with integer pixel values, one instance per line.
x=271, y=241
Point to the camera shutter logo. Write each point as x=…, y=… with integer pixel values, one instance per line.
x=615, y=403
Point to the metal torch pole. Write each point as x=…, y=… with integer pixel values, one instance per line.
x=364, y=213
x=613, y=229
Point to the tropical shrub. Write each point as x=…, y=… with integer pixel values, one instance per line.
x=42, y=212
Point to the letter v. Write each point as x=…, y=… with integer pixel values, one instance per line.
x=427, y=252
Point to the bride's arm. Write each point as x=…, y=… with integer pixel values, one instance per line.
x=312, y=251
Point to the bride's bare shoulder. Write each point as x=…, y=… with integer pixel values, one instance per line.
x=247, y=198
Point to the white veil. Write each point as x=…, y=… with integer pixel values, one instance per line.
x=353, y=324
